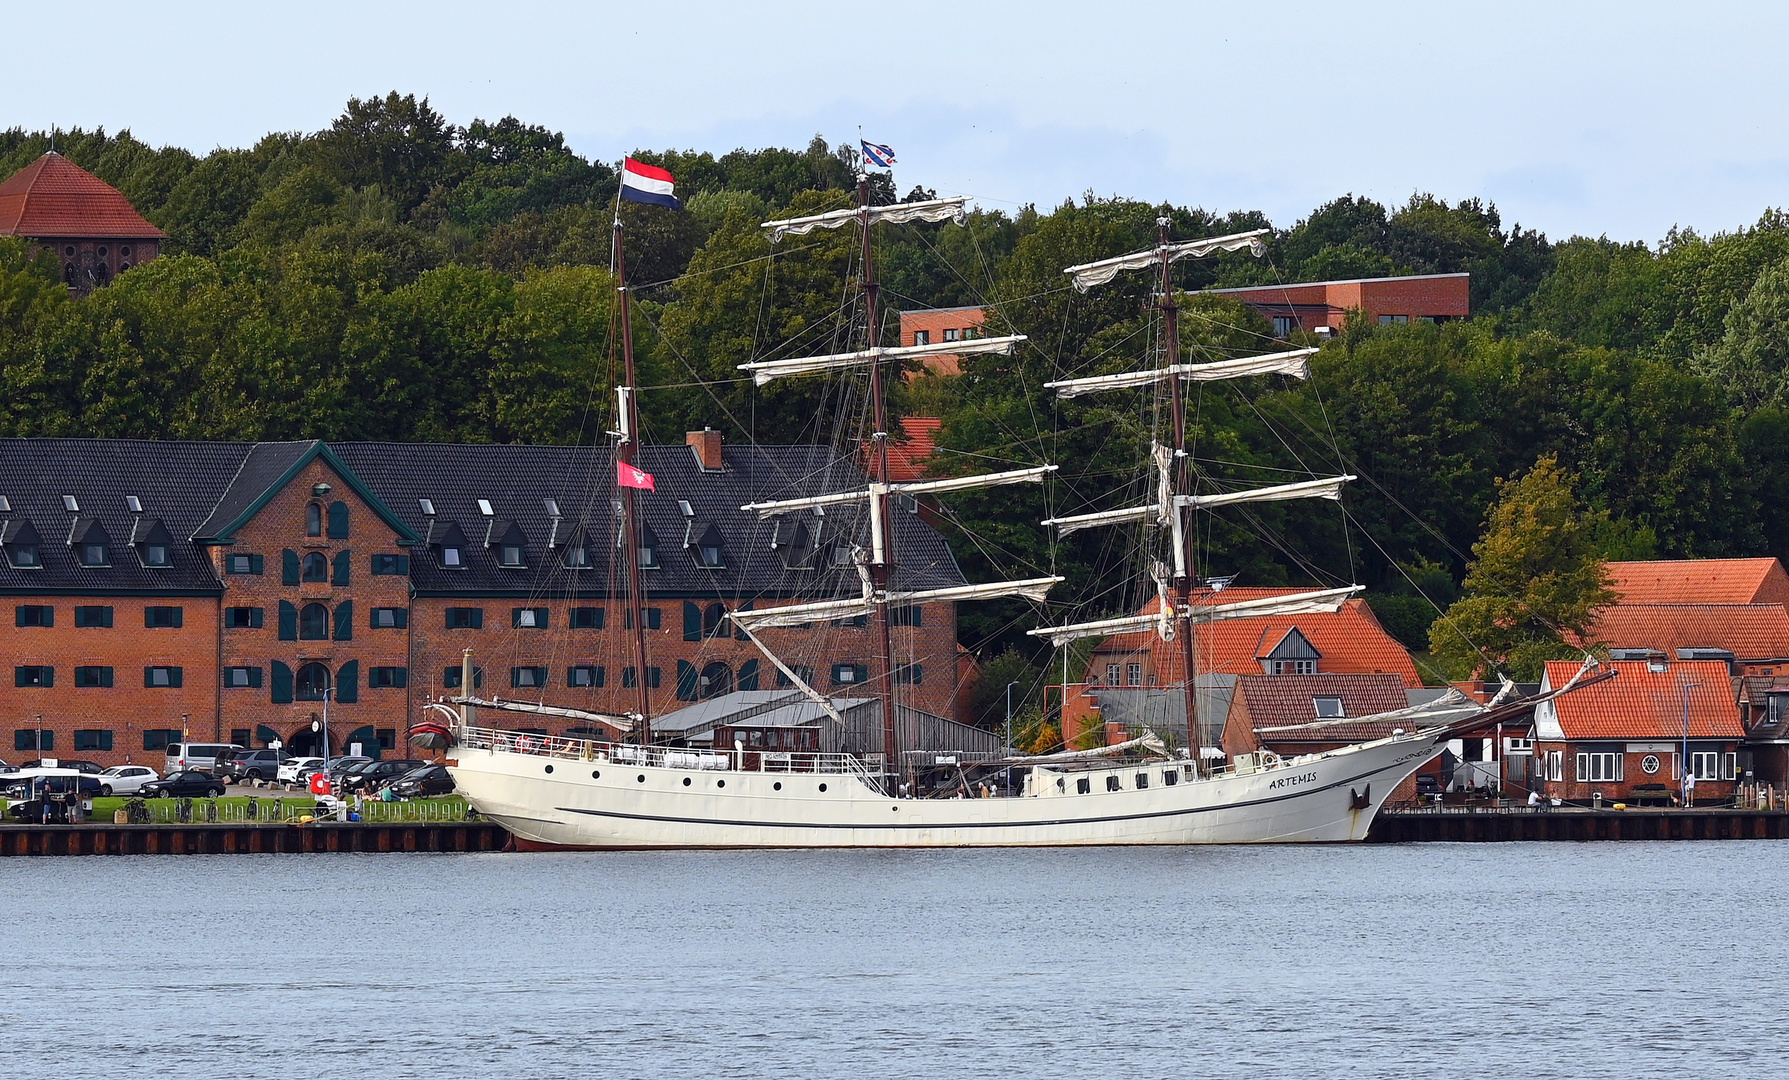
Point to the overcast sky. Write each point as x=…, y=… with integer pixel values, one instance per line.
x=1596, y=118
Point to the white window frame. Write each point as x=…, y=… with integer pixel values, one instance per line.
x=1133, y=674
x=1556, y=766
x=1600, y=766
x=1706, y=765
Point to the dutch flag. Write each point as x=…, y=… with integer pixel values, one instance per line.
x=644, y=183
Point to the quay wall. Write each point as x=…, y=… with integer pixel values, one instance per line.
x=1394, y=827
x=246, y=839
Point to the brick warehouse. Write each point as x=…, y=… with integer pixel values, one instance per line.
x=222, y=587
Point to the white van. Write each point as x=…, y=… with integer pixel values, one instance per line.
x=195, y=755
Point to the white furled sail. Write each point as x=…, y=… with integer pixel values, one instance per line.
x=764, y=371
x=956, y=209
x=1076, y=522
x=1326, y=488
x=612, y=719
x=1293, y=362
x=850, y=607
x=917, y=487
x=1322, y=601
x=1087, y=275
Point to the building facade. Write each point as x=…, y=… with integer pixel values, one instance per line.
x=1322, y=307
x=87, y=223
x=932, y=326
x=233, y=591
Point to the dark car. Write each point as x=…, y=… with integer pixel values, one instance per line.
x=242, y=765
x=368, y=778
x=340, y=765
x=185, y=784
x=428, y=780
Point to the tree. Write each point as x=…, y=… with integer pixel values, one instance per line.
x=1752, y=358
x=1537, y=578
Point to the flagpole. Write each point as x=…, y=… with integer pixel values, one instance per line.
x=626, y=453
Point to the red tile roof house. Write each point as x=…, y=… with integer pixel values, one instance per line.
x=1624, y=738
x=1291, y=715
x=88, y=223
x=1701, y=581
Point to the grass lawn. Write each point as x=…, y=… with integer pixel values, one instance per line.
x=232, y=808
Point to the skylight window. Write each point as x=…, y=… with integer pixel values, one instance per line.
x=69, y=504
x=5, y=505
x=552, y=507
x=133, y=504
x=1328, y=707
x=428, y=507
x=684, y=506
x=484, y=507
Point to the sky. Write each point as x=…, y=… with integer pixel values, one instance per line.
x=1576, y=118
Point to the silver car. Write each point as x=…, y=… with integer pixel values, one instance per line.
x=125, y=779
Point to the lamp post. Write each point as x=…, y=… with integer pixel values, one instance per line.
x=1684, y=783
x=1009, y=732
x=39, y=729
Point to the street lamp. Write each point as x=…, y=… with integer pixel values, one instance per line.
x=1009, y=734
x=1684, y=781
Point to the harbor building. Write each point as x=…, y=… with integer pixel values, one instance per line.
x=88, y=224
x=225, y=590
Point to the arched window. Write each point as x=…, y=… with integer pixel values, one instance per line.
x=312, y=680
x=717, y=679
x=313, y=520
x=313, y=623
x=316, y=567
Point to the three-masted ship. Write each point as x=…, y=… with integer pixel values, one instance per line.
x=581, y=793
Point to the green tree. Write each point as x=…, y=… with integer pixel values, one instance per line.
x=1752, y=358
x=1536, y=577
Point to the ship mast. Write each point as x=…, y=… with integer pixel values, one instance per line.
x=881, y=565
x=628, y=414
x=1184, y=538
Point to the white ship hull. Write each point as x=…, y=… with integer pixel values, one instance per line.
x=585, y=799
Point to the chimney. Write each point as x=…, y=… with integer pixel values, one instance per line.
x=707, y=445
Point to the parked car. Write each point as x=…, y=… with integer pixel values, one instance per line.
x=91, y=768
x=125, y=779
x=428, y=780
x=340, y=765
x=374, y=775
x=194, y=755
x=187, y=783
x=298, y=769
x=242, y=765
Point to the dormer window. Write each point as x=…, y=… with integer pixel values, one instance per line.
x=450, y=547
x=155, y=554
x=577, y=555
x=451, y=556
x=152, y=541
x=24, y=556
x=648, y=550
x=709, y=550
x=95, y=555
x=512, y=548
x=21, y=542
x=91, y=543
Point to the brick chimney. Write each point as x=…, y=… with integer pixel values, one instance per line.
x=707, y=445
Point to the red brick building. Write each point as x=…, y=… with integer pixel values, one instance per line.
x=1321, y=307
x=1624, y=738
x=224, y=588
x=929, y=326
x=88, y=223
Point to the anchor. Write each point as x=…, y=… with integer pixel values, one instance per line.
x=1360, y=800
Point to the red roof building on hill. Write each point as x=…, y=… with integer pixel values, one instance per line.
x=1624, y=737
x=88, y=223
x=1348, y=641
x=1756, y=634
x=1700, y=581
x=1318, y=307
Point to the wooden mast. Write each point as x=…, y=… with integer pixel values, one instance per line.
x=626, y=454
x=1183, y=581
x=882, y=554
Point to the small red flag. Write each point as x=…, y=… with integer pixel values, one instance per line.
x=629, y=477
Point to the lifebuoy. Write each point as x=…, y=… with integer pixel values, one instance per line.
x=320, y=783
x=527, y=744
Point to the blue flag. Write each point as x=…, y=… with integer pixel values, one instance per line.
x=878, y=155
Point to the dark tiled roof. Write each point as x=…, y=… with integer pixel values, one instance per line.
x=517, y=481
x=1285, y=700
x=178, y=483
x=202, y=490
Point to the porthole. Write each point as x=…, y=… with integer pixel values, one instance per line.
x=822, y=787
x=125, y=251
x=641, y=778
x=596, y=774
x=102, y=251
x=1649, y=764
x=720, y=783
x=896, y=809
x=69, y=250
x=686, y=781
x=778, y=786
x=549, y=768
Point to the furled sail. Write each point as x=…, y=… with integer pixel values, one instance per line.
x=917, y=487
x=1306, y=603
x=1076, y=522
x=1087, y=275
x=956, y=209
x=798, y=614
x=1293, y=362
x=1326, y=488
x=765, y=370
x=612, y=719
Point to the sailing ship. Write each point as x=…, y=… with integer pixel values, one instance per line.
x=579, y=792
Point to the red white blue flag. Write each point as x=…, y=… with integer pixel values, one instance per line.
x=645, y=183
x=878, y=155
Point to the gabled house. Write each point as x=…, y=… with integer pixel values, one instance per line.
x=91, y=228
x=1626, y=738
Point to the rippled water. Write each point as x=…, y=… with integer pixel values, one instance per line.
x=1591, y=960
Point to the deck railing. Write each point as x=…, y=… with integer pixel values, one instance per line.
x=566, y=748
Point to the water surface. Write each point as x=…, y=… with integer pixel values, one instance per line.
x=1535, y=960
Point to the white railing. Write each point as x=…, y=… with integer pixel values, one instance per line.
x=664, y=757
